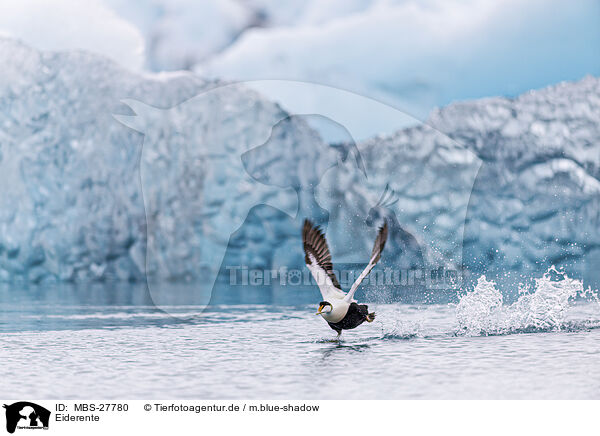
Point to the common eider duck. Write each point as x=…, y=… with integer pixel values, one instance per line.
x=338, y=308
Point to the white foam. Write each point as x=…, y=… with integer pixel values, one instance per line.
x=476, y=312
x=544, y=308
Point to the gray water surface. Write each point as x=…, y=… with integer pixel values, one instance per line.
x=69, y=345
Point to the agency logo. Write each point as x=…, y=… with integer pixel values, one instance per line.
x=26, y=415
x=240, y=181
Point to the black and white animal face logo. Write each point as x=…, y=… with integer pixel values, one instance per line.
x=26, y=415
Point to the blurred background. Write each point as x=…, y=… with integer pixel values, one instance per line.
x=414, y=54
x=126, y=154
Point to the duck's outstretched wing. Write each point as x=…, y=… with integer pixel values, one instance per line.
x=318, y=261
x=375, y=256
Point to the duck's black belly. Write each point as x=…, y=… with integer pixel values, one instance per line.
x=357, y=314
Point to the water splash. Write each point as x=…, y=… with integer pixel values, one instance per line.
x=477, y=311
x=481, y=312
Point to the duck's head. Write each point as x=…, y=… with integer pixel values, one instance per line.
x=324, y=308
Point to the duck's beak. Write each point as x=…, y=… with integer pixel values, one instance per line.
x=320, y=309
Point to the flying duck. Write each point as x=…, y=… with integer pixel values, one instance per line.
x=338, y=308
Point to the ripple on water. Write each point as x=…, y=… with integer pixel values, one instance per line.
x=262, y=351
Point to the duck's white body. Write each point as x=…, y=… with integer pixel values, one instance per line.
x=339, y=310
x=337, y=302
x=331, y=294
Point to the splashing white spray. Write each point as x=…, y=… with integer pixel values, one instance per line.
x=476, y=312
x=481, y=311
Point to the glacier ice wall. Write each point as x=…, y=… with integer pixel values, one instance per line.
x=505, y=187
x=106, y=174
x=536, y=199
x=86, y=195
